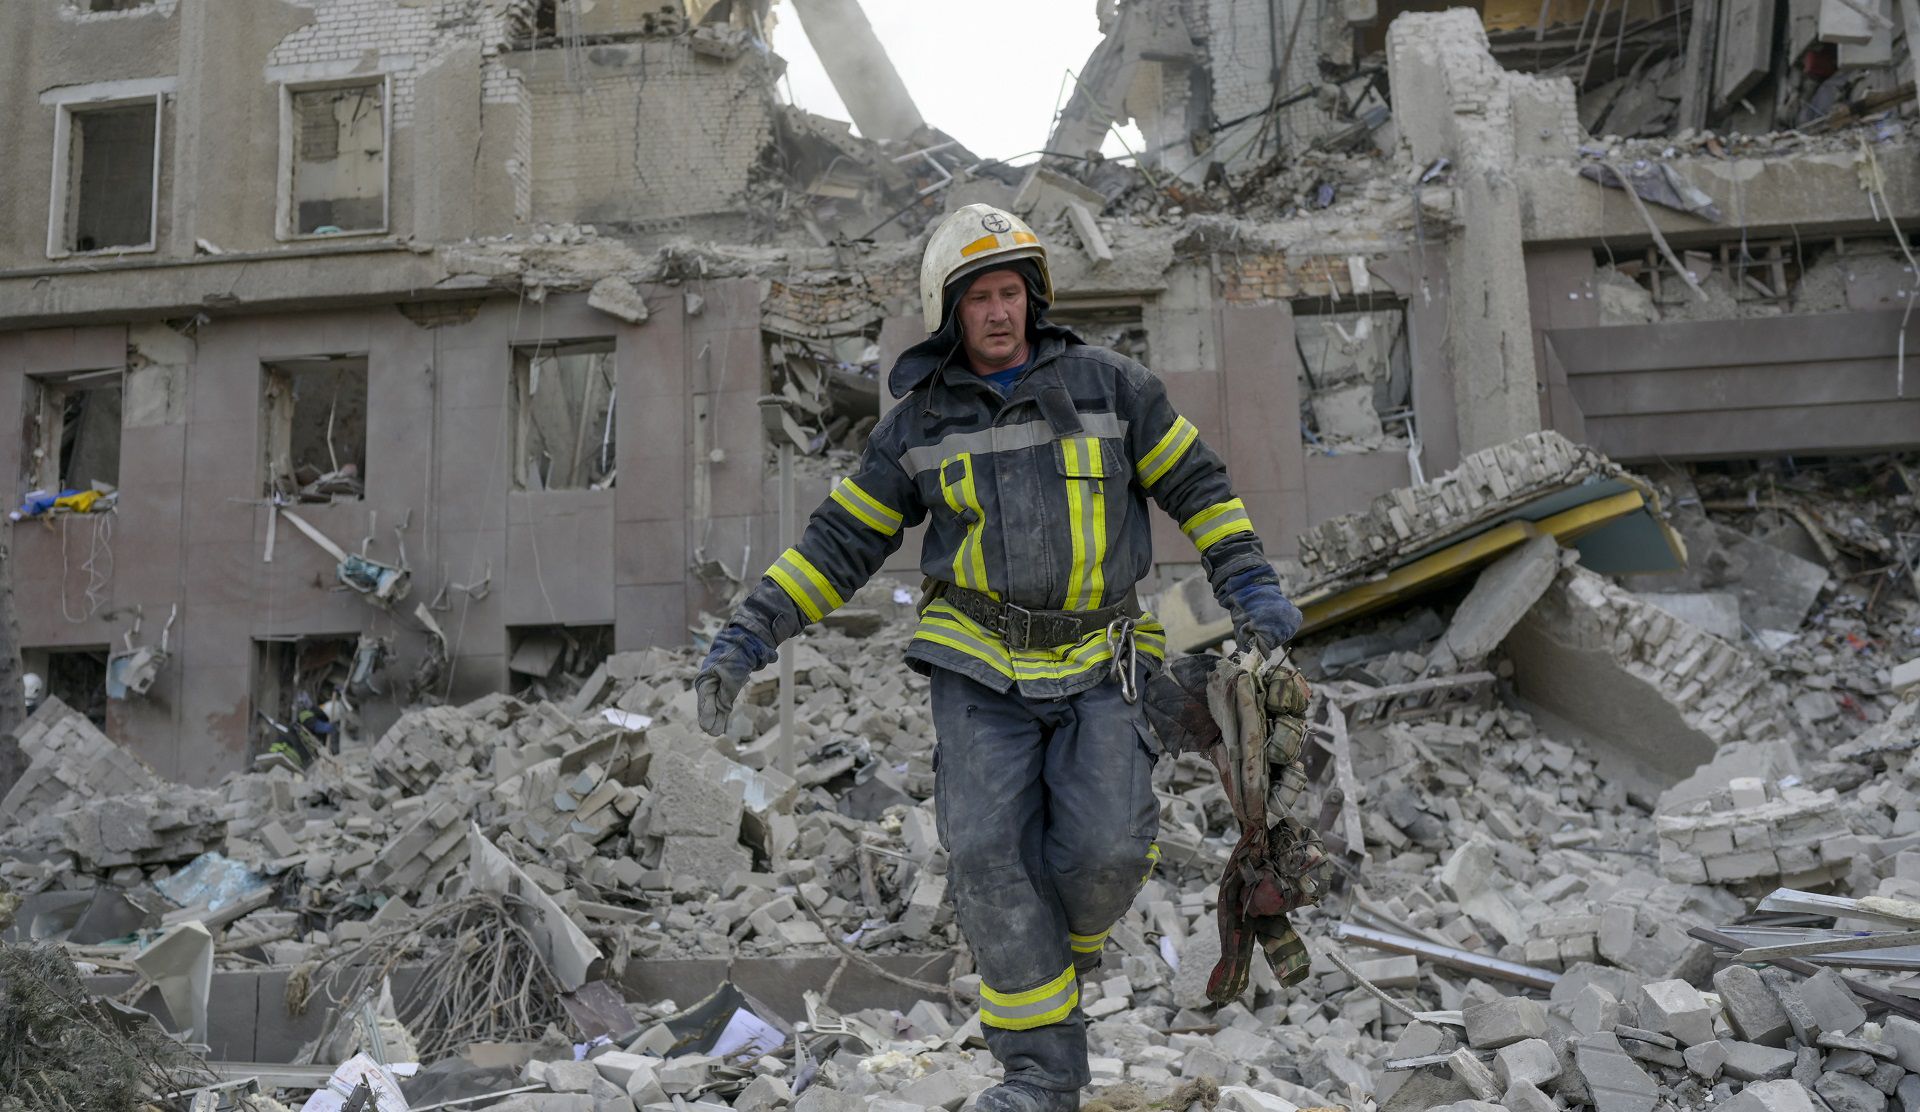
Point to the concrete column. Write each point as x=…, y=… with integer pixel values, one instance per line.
x=1451, y=99
x=858, y=65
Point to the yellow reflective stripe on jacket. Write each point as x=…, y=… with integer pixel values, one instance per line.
x=869, y=510
x=1153, y=858
x=969, y=558
x=941, y=624
x=804, y=584
x=1172, y=447
x=1036, y=1007
x=1086, y=521
x=1222, y=519
x=1088, y=943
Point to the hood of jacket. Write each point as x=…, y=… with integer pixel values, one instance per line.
x=923, y=360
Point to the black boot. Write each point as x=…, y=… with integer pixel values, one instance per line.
x=1022, y=1096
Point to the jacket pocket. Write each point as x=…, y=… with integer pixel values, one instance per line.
x=1084, y=466
x=962, y=496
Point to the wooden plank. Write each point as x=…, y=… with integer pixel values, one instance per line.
x=1744, y=53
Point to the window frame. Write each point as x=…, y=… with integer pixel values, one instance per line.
x=286, y=227
x=60, y=199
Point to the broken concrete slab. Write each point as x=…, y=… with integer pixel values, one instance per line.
x=1500, y=597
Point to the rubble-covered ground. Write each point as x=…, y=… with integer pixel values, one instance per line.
x=1520, y=928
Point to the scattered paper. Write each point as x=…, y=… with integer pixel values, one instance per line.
x=903, y=596
x=747, y=1036
x=380, y=1079
x=1168, y=954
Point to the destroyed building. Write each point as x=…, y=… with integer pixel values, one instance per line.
x=425, y=363
x=488, y=291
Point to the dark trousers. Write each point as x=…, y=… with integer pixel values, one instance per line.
x=1047, y=812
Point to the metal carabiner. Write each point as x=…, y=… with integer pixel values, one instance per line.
x=1126, y=658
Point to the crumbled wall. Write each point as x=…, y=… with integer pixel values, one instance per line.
x=645, y=131
x=404, y=38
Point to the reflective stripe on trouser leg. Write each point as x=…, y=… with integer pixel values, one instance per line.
x=1034, y=1007
x=1102, y=815
x=991, y=803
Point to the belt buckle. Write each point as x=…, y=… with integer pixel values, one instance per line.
x=1018, y=621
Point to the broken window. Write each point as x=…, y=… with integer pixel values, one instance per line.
x=105, y=178
x=300, y=699
x=1118, y=327
x=314, y=430
x=562, y=416
x=73, y=432
x=1356, y=378
x=75, y=676
x=1743, y=279
x=336, y=172
x=553, y=661
x=830, y=387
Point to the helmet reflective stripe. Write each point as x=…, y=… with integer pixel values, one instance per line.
x=975, y=238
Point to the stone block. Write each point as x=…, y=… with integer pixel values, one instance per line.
x=1771, y=1096
x=1675, y=1008
x=1531, y=1060
x=1753, y=1011
x=1474, y=1074
x=1752, y=1062
x=1844, y=1092
x=820, y=1098
x=946, y=1089
x=1615, y=1080
x=1830, y=1005
x=1524, y=1096
x=1706, y=1060
x=1903, y=1035
x=1596, y=1010
x=1504, y=1021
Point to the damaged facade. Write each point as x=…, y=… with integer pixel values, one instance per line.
x=417, y=369
x=488, y=291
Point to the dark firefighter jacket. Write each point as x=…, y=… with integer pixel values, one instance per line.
x=1038, y=498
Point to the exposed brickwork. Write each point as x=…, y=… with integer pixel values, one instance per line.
x=406, y=38
x=1249, y=278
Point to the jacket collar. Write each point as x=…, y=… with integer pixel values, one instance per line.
x=941, y=351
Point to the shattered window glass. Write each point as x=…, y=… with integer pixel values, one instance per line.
x=562, y=416
x=1356, y=383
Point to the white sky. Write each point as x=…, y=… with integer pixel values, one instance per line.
x=987, y=72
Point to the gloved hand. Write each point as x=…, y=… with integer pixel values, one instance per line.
x=1263, y=618
x=736, y=654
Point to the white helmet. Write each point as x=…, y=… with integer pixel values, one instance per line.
x=33, y=687
x=973, y=239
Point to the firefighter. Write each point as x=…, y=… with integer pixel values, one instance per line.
x=1032, y=456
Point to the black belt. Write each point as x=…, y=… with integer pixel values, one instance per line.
x=1022, y=628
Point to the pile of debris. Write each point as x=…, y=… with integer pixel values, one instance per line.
x=1566, y=806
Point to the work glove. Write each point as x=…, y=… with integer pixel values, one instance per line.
x=736, y=654
x=1263, y=618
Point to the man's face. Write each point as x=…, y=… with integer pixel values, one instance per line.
x=993, y=321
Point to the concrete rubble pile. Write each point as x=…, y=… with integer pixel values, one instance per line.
x=1529, y=865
